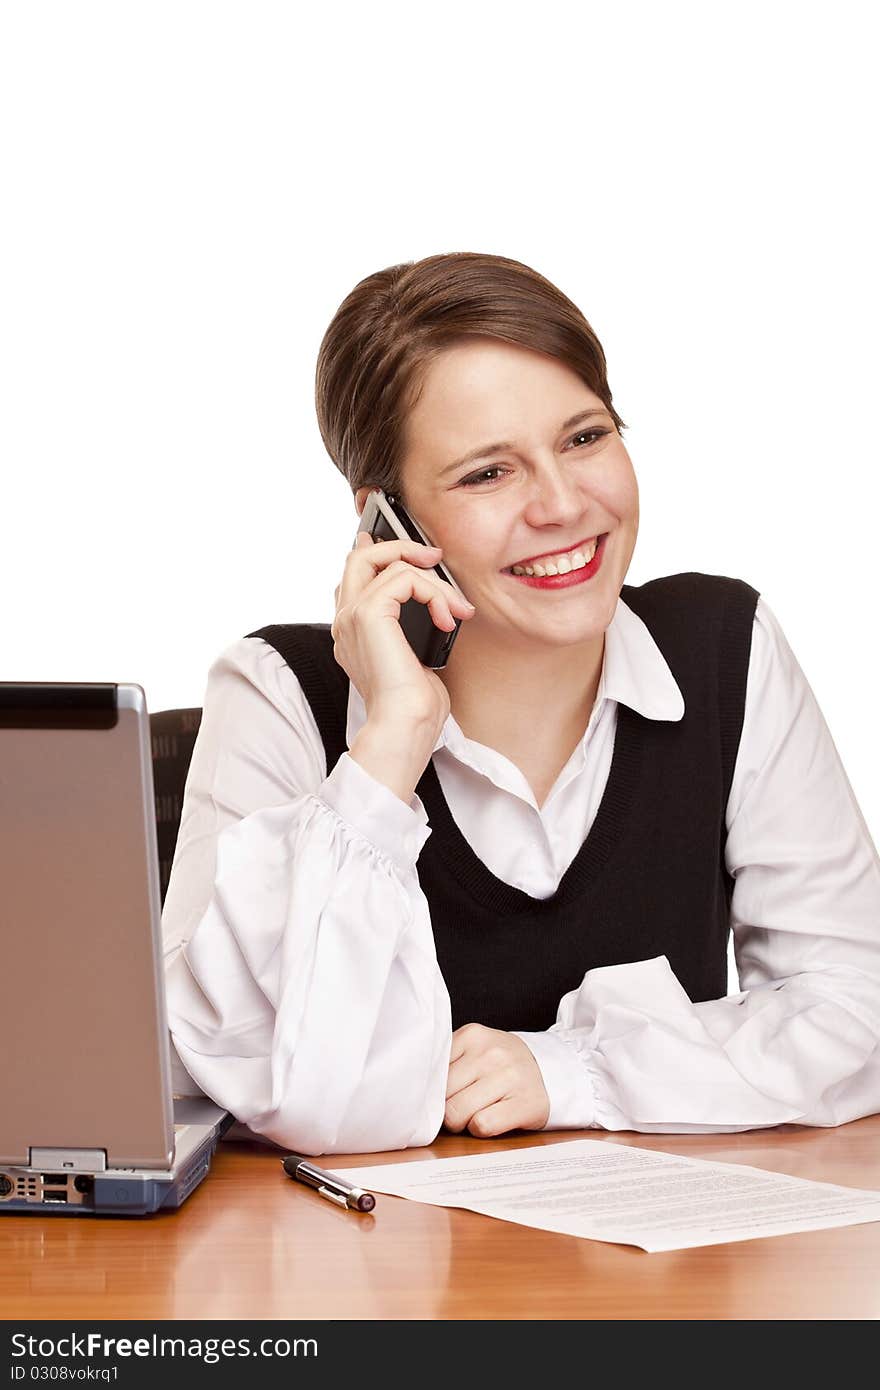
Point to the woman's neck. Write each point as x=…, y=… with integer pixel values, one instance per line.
x=531, y=704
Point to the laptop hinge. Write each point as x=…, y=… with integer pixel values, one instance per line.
x=70, y=1160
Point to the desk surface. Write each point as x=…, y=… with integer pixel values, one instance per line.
x=250, y=1244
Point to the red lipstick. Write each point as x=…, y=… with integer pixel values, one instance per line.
x=564, y=581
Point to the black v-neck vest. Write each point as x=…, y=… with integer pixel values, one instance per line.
x=648, y=880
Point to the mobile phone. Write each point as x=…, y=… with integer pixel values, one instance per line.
x=386, y=519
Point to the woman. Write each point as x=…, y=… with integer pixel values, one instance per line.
x=498, y=895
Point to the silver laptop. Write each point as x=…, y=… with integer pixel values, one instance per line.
x=88, y=1122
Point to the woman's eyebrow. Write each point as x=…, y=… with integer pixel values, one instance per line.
x=483, y=450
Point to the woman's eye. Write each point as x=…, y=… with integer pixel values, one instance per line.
x=480, y=477
x=588, y=434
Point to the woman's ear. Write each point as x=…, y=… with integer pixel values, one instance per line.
x=360, y=498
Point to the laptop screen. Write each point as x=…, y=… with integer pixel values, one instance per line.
x=82, y=1011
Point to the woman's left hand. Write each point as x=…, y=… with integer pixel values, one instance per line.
x=494, y=1084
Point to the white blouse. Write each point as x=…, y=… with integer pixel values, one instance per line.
x=303, y=988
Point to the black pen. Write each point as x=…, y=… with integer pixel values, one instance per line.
x=328, y=1185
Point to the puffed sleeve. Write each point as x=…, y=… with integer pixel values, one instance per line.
x=302, y=983
x=800, y=1042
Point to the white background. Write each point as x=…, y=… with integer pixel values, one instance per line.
x=190, y=189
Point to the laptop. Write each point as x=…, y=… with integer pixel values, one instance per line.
x=88, y=1122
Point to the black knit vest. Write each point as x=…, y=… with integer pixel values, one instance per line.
x=648, y=880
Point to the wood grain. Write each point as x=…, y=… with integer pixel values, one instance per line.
x=250, y=1243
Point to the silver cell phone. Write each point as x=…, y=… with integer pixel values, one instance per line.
x=386, y=519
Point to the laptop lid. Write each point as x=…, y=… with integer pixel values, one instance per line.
x=83, y=1027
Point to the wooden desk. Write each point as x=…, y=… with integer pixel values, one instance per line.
x=252, y=1244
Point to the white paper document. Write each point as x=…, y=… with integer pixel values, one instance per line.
x=630, y=1196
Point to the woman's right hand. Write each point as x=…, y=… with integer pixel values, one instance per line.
x=369, y=644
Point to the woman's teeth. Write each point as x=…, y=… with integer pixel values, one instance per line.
x=560, y=564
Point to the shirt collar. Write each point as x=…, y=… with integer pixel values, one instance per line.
x=634, y=672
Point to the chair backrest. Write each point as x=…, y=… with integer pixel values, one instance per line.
x=173, y=733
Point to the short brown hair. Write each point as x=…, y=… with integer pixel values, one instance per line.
x=384, y=335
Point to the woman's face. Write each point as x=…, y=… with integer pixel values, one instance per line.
x=562, y=479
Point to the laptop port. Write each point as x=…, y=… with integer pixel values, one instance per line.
x=59, y=1179
x=54, y=1196
x=5, y=1185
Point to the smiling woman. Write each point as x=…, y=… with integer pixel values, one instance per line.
x=525, y=669
x=499, y=894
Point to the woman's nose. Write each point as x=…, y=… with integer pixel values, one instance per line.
x=555, y=496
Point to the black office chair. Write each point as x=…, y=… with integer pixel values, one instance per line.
x=173, y=734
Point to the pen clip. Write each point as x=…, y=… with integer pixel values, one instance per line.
x=336, y=1197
